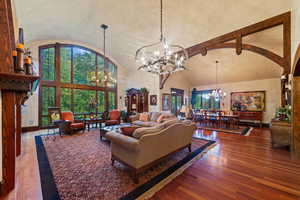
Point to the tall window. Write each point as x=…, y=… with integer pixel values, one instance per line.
x=68, y=81
x=202, y=100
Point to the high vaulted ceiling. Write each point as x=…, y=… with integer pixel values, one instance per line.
x=134, y=23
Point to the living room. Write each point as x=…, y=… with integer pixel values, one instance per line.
x=149, y=100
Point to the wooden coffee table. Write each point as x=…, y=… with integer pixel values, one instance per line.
x=96, y=121
x=115, y=128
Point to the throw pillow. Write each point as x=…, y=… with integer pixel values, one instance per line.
x=155, y=116
x=160, y=118
x=128, y=130
x=144, y=117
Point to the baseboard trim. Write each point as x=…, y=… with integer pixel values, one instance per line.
x=253, y=124
x=30, y=129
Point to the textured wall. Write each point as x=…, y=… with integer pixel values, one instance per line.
x=271, y=86
x=295, y=27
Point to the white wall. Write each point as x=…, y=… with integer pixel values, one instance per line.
x=295, y=25
x=271, y=86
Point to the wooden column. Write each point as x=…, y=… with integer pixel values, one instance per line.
x=8, y=136
x=8, y=99
x=18, y=127
x=296, y=115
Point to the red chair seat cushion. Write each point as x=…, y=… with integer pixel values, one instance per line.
x=112, y=122
x=77, y=125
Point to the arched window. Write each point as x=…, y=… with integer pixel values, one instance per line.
x=75, y=79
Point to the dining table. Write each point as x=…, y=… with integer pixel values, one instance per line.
x=217, y=119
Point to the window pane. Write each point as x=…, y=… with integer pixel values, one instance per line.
x=48, y=64
x=45, y=121
x=65, y=64
x=83, y=101
x=111, y=101
x=48, y=99
x=101, y=73
x=84, y=63
x=66, y=99
x=111, y=75
x=101, y=101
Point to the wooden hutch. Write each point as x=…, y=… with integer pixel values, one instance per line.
x=137, y=101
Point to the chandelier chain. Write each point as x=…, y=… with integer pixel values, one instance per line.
x=161, y=19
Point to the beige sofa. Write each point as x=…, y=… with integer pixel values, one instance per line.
x=153, y=116
x=149, y=145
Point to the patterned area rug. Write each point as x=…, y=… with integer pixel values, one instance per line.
x=79, y=167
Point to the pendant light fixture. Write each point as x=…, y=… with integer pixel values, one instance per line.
x=161, y=57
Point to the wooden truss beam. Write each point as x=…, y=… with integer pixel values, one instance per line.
x=220, y=42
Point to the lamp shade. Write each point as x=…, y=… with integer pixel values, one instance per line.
x=184, y=109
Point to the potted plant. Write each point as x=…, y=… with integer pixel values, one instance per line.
x=283, y=113
x=144, y=90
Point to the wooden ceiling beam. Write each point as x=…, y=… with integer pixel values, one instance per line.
x=220, y=42
x=264, y=52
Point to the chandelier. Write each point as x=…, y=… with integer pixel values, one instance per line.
x=105, y=76
x=161, y=57
x=217, y=93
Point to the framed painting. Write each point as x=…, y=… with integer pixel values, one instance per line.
x=248, y=101
x=166, y=102
x=54, y=114
x=153, y=100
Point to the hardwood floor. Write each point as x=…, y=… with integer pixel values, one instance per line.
x=238, y=167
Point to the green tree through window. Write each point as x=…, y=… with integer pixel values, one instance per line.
x=72, y=89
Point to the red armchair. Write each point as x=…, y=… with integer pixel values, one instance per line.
x=114, y=118
x=69, y=124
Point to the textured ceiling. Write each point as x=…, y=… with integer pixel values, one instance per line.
x=134, y=23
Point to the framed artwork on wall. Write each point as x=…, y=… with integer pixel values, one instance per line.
x=54, y=114
x=166, y=102
x=248, y=101
x=153, y=100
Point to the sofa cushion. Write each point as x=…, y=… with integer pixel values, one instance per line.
x=144, y=117
x=160, y=118
x=138, y=133
x=144, y=124
x=187, y=122
x=154, y=116
x=170, y=122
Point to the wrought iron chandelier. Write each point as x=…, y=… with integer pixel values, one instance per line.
x=161, y=57
x=217, y=93
x=105, y=76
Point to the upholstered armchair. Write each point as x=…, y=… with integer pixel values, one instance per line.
x=114, y=118
x=69, y=125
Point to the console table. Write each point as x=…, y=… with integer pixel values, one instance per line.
x=250, y=116
x=281, y=133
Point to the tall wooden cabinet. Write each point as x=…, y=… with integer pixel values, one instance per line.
x=137, y=101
